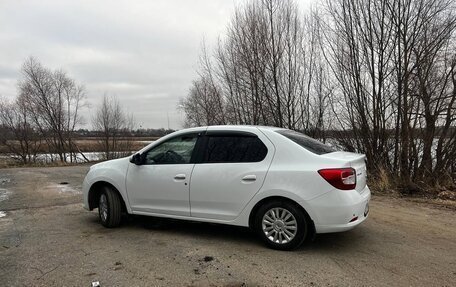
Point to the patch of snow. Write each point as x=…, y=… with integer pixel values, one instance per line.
x=67, y=189
x=62, y=188
x=4, y=194
x=2, y=214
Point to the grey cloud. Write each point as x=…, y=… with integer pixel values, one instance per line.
x=145, y=52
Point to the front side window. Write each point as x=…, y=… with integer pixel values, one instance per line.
x=234, y=148
x=177, y=150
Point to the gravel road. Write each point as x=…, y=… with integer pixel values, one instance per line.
x=48, y=239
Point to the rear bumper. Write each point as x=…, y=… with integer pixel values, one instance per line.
x=339, y=210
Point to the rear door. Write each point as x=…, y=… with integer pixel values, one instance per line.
x=232, y=169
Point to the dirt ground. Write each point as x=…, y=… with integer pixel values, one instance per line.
x=48, y=239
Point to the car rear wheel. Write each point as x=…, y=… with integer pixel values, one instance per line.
x=281, y=225
x=109, y=208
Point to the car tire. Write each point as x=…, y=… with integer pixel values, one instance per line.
x=282, y=225
x=109, y=207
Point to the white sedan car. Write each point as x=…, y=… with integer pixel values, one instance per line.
x=284, y=185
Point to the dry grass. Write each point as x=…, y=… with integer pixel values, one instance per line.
x=381, y=182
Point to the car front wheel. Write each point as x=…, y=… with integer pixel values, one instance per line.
x=109, y=208
x=281, y=225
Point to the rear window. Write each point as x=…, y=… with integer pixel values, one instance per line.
x=306, y=142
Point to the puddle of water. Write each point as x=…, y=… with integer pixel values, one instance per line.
x=2, y=214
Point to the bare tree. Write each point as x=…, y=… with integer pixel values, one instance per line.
x=19, y=135
x=204, y=104
x=358, y=45
x=263, y=72
x=392, y=61
x=53, y=101
x=114, y=126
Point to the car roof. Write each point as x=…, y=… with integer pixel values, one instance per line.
x=231, y=127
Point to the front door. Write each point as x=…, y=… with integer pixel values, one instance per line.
x=160, y=184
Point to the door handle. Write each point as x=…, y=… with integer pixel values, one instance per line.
x=180, y=176
x=249, y=178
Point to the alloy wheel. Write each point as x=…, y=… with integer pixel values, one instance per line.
x=279, y=225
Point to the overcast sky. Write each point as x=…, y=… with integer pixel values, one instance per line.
x=145, y=52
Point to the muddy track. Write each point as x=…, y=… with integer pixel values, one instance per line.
x=47, y=239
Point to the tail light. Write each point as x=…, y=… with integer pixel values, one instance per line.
x=340, y=178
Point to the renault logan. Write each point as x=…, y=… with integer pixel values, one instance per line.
x=283, y=184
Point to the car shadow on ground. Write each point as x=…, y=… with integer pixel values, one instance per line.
x=348, y=241
x=193, y=229
x=345, y=241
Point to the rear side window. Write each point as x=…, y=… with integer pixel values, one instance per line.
x=306, y=142
x=234, y=148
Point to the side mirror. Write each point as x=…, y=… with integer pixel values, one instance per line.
x=136, y=159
